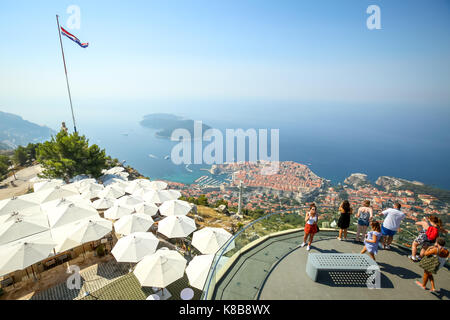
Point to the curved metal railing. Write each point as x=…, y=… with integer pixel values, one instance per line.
x=257, y=229
x=249, y=233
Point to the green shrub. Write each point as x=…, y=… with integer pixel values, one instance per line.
x=100, y=250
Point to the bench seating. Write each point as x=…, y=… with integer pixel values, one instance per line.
x=338, y=262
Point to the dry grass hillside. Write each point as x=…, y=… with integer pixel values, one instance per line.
x=212, y=218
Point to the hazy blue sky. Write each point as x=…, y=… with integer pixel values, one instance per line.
x=143, y=53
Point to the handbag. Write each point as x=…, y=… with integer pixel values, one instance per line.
x=430, y=263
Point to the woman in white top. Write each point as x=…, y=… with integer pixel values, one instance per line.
x=310, y=225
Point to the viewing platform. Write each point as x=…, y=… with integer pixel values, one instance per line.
x=274, y=267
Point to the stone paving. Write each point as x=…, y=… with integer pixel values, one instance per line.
x=93, y=278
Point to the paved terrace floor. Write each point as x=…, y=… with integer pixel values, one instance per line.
x=275, y=269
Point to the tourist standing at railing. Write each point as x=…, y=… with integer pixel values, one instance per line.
x=364, y=215
x=428, y=233
x=344, y=219
x=372, y=239
x=310, y=226
x=392, y=219
x=434, y=259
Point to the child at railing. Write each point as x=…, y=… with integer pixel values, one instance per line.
x=372, y=239
x=428, y=232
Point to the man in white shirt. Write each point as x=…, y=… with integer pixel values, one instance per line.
x=392, y=219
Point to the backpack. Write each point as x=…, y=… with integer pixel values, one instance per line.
x=432, y=233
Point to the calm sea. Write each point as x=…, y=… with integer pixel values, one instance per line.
x=334, y=140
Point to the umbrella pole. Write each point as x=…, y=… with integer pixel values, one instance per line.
x=34, y=273
x=84, y=251
x=26, y=270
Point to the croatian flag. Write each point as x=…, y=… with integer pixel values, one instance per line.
x=73, y=38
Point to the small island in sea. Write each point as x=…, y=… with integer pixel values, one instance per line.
x=166, y=123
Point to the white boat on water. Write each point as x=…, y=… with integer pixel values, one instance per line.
x=152, y=156
x=188, y=169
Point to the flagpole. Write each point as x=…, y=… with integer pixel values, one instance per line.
x=65, y=70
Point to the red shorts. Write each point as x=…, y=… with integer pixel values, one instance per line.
x=310, y=228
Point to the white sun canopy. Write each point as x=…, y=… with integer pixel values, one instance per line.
x=103, y=203
x=16, y=204
x=175, y=208
x=134, y=247
x=176, y=226
x=148, y=208
x=117, y=212
x=111, y=191
x=49, y=195
x=19, y=225
x=129, y=201
x=208, y=240
x=198, y=269
x=160, y=269
x=68, y=213
x=20, y=254
x=79, y=232
x=137, y=222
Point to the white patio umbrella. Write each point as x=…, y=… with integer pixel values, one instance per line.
x=147, y=208
x=106, y=177
x=117, y=212
x=16, y=226
x=89, y=196
x=160, y=269
x=92, y=188
x=111, y=192
x=158, y=185
x=103, y=203
x=198, y=269
x=136, y=185
x=208, y=240
x=130, y=201
x=134, y=247
x=75, y=199
x=49, y=194
x=175, y=208
x=79, y=178
x=123, y=175
x=176, y=226
x=84, y=198
x=22, y=253
x=157, y=196
x=77, y=233
x=137, y=222
x=175, y=194
x=68, y=213
x=114, y=170
x=116, y=182
x=15, y=204
x=140, y=191
x=74, y=187
x=85, y=182
x=47, y=184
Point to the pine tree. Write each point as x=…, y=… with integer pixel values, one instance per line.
x=68, y=155
x=20, y=156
